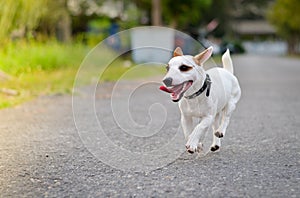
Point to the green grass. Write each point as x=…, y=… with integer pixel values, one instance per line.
x=47, y=68
x=38, y=69
x=36, y=83
x=24, y=57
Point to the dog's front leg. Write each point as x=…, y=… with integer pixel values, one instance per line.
x=198, y=132
x=187, y=125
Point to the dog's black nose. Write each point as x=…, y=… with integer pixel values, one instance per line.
x=168, y=81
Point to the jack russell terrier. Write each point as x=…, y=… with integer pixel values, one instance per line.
x=210, y=95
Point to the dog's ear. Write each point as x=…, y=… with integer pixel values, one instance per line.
x=177, y=52
x=203, y=56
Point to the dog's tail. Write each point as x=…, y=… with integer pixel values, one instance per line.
x=227, y=62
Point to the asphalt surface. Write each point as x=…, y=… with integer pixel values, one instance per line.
x=42, y=154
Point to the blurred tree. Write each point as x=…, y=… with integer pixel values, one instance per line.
x=83, y=12
x=219, y=11
x=23, y=15
x=285, y=16
x=176, y=13
x=183, y=14
x=57, y=23
x=249, y=9
x=18, y=18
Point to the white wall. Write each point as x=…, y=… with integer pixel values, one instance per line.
x=265, y=47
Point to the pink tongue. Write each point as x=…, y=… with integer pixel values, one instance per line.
x=163, y=88
x=173, y=94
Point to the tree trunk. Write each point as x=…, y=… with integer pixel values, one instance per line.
x=293, y=44
x=63, y=28
x=156, y=13
x=290, y=42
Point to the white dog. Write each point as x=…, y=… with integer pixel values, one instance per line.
x=210, y=95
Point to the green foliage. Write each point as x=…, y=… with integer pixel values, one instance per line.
x=285, y=15
x=177, y=13
x=133, y=14
x=98, y=30
x=16, y=14
x=56, y=21
x=184, y=13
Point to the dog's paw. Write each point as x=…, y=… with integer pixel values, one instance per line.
x=192, y=146
x=219, y=134
x=214, y=148
x=190, y=149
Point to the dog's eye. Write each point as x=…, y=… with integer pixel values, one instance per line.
x=184, y=68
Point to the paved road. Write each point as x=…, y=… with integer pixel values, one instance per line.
x=43, y=155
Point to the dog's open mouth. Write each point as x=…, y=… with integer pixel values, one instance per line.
x=177, y=91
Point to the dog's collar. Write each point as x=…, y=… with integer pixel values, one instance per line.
x=206, y=85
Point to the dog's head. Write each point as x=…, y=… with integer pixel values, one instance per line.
x=183, y=71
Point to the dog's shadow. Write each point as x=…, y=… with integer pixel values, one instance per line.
x=206, y=156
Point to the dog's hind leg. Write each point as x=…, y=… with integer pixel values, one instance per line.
x=229, y=108
x=216, y=141
x=226, y=113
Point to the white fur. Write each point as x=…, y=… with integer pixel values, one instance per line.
x=214, y=111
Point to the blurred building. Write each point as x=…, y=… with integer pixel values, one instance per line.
x=253, y=29
x=259, y=37
x=250, y=26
